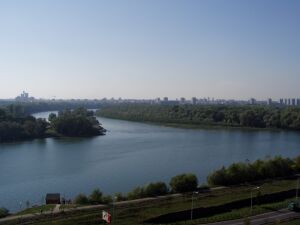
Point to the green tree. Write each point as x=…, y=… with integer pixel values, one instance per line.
x=184, y=183
x=95, y=197
x=155, y=189
x=81, y=199
x=3, y=212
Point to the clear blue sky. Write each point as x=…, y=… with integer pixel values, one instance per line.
x=147, y=49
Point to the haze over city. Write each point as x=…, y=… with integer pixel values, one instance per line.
x=149, y=49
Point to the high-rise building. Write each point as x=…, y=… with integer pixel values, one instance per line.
x=298, y=101
x=182, y=100
x=194, y=100
x=252, y=101
x=281, y=101
x=293, y=101
x=269, y=101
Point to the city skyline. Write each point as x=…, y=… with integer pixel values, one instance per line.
x=144, y=50
x=25, y=96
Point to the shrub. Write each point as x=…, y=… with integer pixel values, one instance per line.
x=184, y=183
x=120, y=197
x=155, y=189
x=3, y=212
x=95, y=197
x=136, y=193
x=107, y=199
x=81, y=199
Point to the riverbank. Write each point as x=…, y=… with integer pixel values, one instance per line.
x=138, y=211
x=199, y=126
x=200, y=116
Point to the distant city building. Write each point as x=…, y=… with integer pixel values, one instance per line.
x=281, y=101
x=293, y=101
x=24, y=97
x=270, y=101
x=252, y=101
x=298, y=101
x=194, y=100
x=182, y=100
x=166, y=99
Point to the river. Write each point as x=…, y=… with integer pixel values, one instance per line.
x=130, y=154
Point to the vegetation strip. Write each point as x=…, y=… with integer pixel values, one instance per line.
x=207, y=115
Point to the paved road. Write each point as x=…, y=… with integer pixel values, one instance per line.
x=281, y=215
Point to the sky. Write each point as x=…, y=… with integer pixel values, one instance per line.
x=231, y=49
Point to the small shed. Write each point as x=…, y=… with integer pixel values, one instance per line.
x=53, y=198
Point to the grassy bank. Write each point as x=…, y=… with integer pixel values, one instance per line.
x=136, y=213
x=37, y=209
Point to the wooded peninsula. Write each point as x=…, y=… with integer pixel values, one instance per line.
x=79, y=122
x=207, y=115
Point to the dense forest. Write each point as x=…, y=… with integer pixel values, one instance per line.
x=17, y=125
x=243, y=172
x=234, y=116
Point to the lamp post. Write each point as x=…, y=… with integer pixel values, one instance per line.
x=297, y=189
x=113, y=210
x=192, y=208
x=253, y=189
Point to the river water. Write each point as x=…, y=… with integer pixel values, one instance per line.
x=130, y=154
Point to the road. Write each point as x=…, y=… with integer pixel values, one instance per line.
x=281, y=215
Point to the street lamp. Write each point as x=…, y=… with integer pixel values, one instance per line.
x=297, y=190
x=113, y=211
x=192, y=208
x=253, y=189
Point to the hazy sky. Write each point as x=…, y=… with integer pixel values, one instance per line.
x=147, y=49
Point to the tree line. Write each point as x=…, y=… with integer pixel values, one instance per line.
x=233, y=116
x=244, y=172
x=21, y=109
x=236, y=173
x=178, y=184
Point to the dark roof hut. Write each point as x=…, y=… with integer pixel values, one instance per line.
x=53, y=198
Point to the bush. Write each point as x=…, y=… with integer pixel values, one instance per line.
x=238, y=173
x=81, y=199
x=155, y=189
x=136, y=193
x=106, y=199
x=184, y=183
x=96, y=197
x=3, y=212
x=120, y=197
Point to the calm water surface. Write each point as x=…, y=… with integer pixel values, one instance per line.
x=130, y=154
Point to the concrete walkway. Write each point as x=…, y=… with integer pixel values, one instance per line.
x=56, y=208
